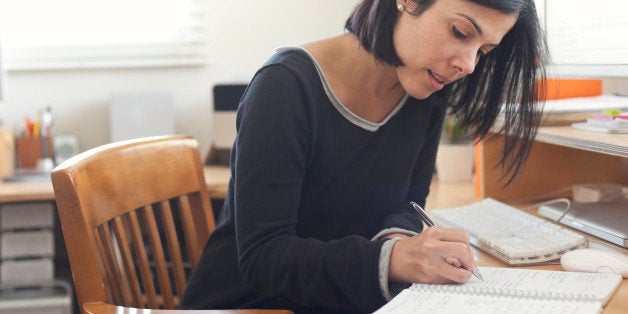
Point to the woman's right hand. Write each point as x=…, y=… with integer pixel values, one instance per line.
x=436, y=255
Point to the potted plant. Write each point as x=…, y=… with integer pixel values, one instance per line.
x=454, y=160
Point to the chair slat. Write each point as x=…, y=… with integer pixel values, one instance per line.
x=127, y=262
x=105, y=269
x=161, y=268
x=145, y=271
x=174, y=251
x=190, y=233
x=110, y=257
x=203, y=219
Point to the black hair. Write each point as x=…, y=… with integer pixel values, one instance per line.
x=509, y=80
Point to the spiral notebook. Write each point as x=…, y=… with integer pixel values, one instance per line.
x=510, y=290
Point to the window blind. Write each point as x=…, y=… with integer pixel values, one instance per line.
x=66, y=34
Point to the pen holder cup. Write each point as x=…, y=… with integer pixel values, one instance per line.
x=29, y=150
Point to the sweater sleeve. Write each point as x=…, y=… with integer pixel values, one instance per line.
x=405, y=217
x=272, y=146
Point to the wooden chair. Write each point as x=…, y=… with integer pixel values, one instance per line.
x=135, y=217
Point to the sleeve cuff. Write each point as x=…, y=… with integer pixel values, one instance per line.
x=384, y=262
x=392, y=230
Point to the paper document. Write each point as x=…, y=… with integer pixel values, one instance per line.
x=510, y=290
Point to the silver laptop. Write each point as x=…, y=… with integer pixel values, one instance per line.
x=605, y=220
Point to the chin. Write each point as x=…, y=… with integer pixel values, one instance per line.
x=417, y=90
x=419, y=93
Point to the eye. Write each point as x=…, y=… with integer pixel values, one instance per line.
x=457, y=33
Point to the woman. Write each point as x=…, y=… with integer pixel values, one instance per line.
x=337, y=136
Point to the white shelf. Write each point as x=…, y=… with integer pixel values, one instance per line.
x=610, y=144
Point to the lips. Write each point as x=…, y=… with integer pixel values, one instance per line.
x=437, y=81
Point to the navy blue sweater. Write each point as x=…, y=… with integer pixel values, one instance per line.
x=311, y=185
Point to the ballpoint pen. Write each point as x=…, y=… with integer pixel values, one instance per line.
x=428, y=221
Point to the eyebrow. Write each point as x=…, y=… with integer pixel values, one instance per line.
x=475, y=25
x=472, y=21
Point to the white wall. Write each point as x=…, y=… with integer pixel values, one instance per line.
x=242, y=36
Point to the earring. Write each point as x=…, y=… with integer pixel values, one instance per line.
x=400, y=7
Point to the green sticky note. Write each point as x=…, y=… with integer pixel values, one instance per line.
x=611, y=112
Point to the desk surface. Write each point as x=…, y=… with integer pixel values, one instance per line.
x=441, y=196
x=103, y=308
x=456, y=194
x=216, y=177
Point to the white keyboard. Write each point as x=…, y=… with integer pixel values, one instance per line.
x=510, y=234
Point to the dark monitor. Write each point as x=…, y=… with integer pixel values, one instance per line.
x=227, y=96
x=226, y=100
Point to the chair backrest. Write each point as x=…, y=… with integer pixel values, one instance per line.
x=135, y=217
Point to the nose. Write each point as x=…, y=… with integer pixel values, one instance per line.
x=464, y=63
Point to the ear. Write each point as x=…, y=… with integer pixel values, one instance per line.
x=404, y=5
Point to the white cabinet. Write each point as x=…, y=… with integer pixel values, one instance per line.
x=27, y=260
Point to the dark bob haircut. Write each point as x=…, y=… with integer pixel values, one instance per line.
x=508, y=80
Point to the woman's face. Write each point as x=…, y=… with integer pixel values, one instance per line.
x=445, y=42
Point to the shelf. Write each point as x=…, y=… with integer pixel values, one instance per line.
x=560, y=157
x=610, y=144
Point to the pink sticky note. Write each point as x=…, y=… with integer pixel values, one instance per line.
x=602, y=117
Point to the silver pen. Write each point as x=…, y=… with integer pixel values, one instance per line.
x=428, y=221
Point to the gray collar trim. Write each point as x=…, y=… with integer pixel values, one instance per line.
x=346, y=113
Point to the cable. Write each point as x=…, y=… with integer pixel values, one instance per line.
x=557, y=200
x=545, y=196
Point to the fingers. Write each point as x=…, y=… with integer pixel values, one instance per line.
x=459, y=275
x=451, y=270
x=448, y=242
x=437, y=255
x=456, y=275
x=448, y=275
x=471, y=254
x=453, y=261
x=449, y=234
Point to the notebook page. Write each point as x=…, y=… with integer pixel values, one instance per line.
x=416, y=301
x=537, y=284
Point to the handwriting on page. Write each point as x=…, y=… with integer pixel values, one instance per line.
x=510, y=290
x=415, y=301
x=550, y=284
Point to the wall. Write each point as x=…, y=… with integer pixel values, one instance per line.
x=241, y=36
x=615, y=86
